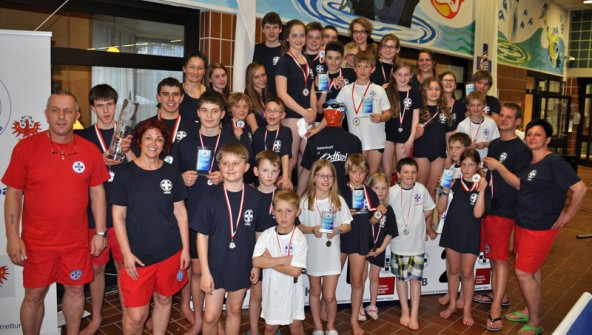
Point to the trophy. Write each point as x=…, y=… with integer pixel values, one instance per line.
x=125, y=126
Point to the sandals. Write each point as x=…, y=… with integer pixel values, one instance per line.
x=487, y=298
x=361, y=314
x=537, y=331
x=516, y=317
x=372, y=311
x=491, y=321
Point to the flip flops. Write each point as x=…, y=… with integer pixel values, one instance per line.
x=492, y=321
x=516, y=317
x=537, y=331
x=487, y=298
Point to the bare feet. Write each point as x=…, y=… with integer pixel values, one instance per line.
x=148, y=323
x=405, y=319
x=445, y=314
x=92, y=327
x=468, y=319
x=460, y=302
x=413, y=324
x=323, y=313
x=188, y=314
x=444, y=300
x=356, y=329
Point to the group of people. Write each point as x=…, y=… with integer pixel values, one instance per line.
x=205, y=199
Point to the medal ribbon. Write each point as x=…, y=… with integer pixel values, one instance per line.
x=277, y=236
x=375, y=237
x=471, y=130
x=386, y=80
x=367, y=197
x=402, y=115
x=234, y=230
x=333, y=82
x=319, y=210
x=275, y=139
x=215, y=148
x=176, y=129
x=405, y=220
x=430, y=120
x=101, y=139
x=357, y=110
x=305, y=74
x=466, y=188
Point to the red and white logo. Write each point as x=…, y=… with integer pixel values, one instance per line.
x=25, y=127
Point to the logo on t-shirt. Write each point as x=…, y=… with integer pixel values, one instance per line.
x=168, y=159
x=320, y=68
x=531, y=175
x=275, y=60
x=337, y=156
x=346, y=81
x=248, y=217
x=487, y=109
x=277, y=146
x=442, y=118
x=180, y=135
x=166, y=185
x=417, y=198
x=473, y=198
x=76, y=274
x=486, y=132
x=286, y=251
x=407, y=102
x=78, y=167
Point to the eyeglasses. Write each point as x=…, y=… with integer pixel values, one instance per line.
x=273, y=111
x=324, y=176
x=389, y=47
x=333, y=105
x=359, y=32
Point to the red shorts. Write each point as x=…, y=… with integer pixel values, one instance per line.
x=532, y=247
x=163, y=277
x=495, y=237
x=71, y=267
x=112, y=245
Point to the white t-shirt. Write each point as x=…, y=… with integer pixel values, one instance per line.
x=323, y=260
x=485, y=131
x=283, y=300
x=372, y=135
x=409, y=206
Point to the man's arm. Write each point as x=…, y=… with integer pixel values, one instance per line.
x=510, y=178
x=98, y=203
x=15, y=246
x=577, y=198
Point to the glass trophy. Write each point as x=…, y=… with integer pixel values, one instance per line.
x=125, y=126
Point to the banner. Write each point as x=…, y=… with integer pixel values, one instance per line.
x=25, y=80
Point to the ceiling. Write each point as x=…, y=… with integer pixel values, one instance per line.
x=573, y=5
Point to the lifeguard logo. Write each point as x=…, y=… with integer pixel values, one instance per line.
x=320, y=68
x=248, y=217
x=531, y=175
x=76, y=274
x=473, y=198
x=166, y=186
x=487, y=110
x=442, y=118
x=407, y=102
x=5, y=107
x=417, y=198
x=25, y=127
x=168, y=159
x=503, y=156
x=275, y=60
x=277, y=146
x=78, y=167
x=286, y=247
x=180, y=135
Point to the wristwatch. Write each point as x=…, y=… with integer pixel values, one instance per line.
x=104, y=234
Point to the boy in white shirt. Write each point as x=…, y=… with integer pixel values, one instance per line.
x=482, y=130
x=413, y=207
x=281, y=251
x=368, y=108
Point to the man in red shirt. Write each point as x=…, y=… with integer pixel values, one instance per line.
x=49, y=179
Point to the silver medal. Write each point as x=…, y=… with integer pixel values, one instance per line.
x=231, y=245
x=210, y=183
x=400, y=130
x=305, y=92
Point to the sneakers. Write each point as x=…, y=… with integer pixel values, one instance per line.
x=318, y=332
x=361, y=314
x=331, y=332
x=372, y=311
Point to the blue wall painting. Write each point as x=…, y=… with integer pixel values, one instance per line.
x=532, y=35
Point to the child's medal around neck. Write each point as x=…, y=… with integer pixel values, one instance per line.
x=233, y=228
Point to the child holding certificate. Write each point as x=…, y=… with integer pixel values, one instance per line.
x=321, y=202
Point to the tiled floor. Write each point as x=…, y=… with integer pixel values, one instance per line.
x=566, y=275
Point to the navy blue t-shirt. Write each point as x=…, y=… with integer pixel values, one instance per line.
x=149, y=195
x=294, y=74
x=382, y=74
x=359, y=238
x=230, y=268
x=543, y=191
x=515, y=156
x=278, y=141
x=408, y=100
x=433, y=142
x=268, y=57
